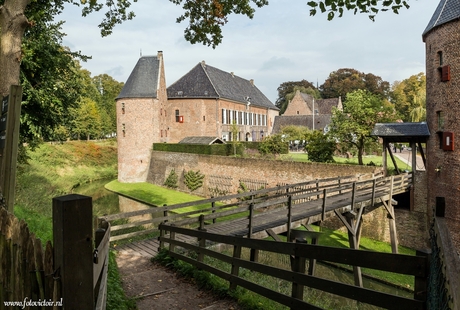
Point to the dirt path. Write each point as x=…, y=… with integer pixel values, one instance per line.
x=156, y=287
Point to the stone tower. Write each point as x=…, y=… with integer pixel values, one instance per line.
x=141, y=118
x=442, y=39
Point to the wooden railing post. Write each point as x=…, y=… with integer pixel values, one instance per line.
x=298, y=264
x=73, y=249
x=323, y=215
x=213, y=210
x=235, y=268
x=201, y=241
x=289, y=217
x=421, y=283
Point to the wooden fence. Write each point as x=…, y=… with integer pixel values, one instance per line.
x=298, y=253
x=256, y=205
x=35, y=277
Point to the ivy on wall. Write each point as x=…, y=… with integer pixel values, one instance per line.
x=193, y=179
x=171, y=180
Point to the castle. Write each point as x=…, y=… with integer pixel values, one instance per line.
x=204, y=102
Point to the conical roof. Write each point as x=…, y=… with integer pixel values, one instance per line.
x=143, y=80
x=447, y=10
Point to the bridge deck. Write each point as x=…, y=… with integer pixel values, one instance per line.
x=275, y=219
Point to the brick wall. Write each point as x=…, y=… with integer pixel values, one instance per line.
x=226, y=172
x=297, y=106
x=443, y=167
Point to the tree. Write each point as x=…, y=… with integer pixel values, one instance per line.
x=320, y=147
x=345, y=80
x=206, y=19
x=409, y=97
x=361, y=111
x=292, y=132
x=287, y=88
x=87, y=120
x=333, y=7
x=273, y=144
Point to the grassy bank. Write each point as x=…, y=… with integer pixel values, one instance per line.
x=54, y=170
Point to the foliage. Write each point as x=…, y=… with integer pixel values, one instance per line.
x=56, y=169
x=234, y=131
x=320, y=147
x=352, y=126
x=171, y=180
x=273, y=144
x=292, y=132
x=49, y=76
x=193, y=179
x=371, y=8
x=287, y=88
x=346, y=80
x=409, y=98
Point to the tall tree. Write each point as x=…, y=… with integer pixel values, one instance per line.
x=409, y=96
x=346, y=80
x=352, y=126
x=287, y=88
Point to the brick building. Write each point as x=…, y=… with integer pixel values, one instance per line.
x=204, y=102
x=207, y=101
x=442, y=37
x=304, y=110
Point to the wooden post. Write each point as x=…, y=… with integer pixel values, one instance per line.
x=289, y=219
x=323, y=215
x=213, y=208
x=10, y=153
x=384, y=158
x=201, y=241
x=298, y=264
x=73, y=249
x=421, y=283
x=354, y=244
x=392, y=220
x=235, y=267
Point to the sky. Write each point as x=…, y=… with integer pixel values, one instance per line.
x=281, y=43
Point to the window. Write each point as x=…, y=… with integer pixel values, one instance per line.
x=440, y=58
x=224, y=116
x=440, y=117
x=122, y=108
x=177, y=115
x=204, y=118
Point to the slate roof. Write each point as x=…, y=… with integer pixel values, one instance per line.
x=207, y=82
x=401, y=132
x=321, y=121
x=143, y=80
x=447, y=10
x=202, y=140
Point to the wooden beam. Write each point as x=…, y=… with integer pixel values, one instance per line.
x=393, y=159
x=422, y=154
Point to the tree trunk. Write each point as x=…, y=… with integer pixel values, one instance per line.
x=13, y=24
x=360, y=151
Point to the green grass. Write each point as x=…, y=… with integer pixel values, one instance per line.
x=59, y=169
x=370, y=159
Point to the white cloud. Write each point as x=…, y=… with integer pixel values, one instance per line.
x=282, y=43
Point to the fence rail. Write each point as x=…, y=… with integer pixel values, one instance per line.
x=328, y=194
x=298, y=254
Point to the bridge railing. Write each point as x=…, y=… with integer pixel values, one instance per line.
x=249, y=204
x=232, y=262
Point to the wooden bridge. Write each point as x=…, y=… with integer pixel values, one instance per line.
x=266, y=212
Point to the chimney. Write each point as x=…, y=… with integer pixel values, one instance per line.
x=203, y=63
x=252, y=82
x=160, y=54
x=232, y=74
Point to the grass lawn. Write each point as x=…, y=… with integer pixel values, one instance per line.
x=376, y=160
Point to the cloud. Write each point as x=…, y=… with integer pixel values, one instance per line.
x=281, y=43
